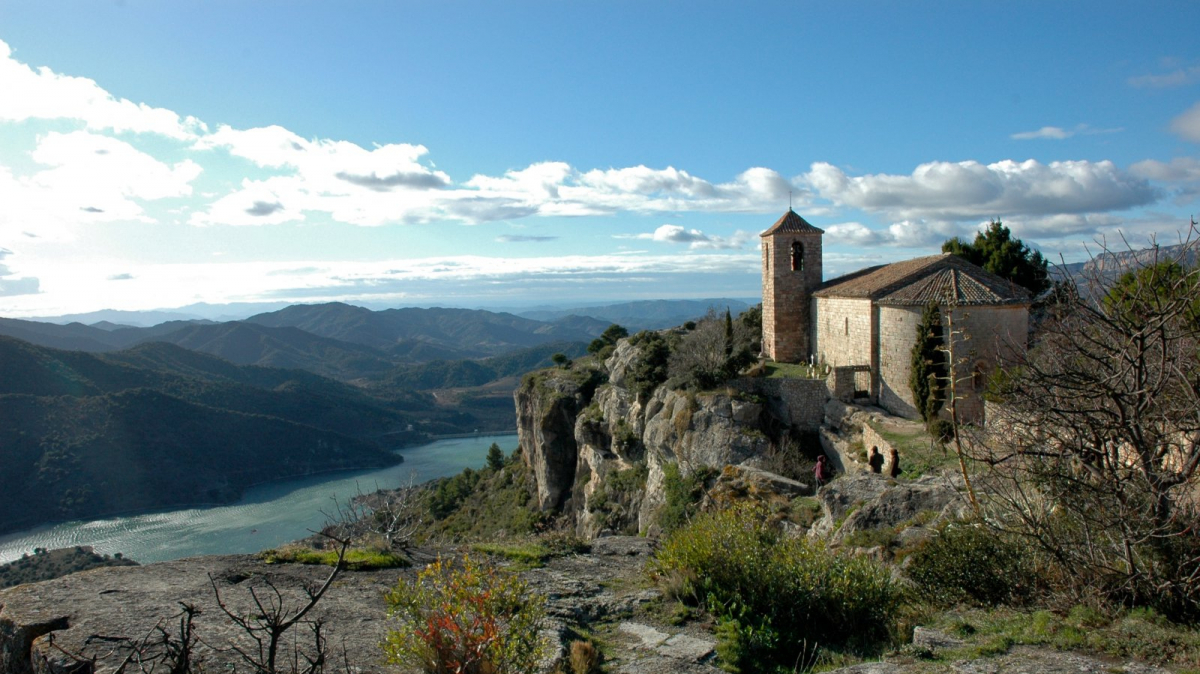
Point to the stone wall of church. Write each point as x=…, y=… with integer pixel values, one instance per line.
x=992, y=334
x=843, y=330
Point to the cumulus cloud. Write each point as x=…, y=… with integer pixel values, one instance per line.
x=87, y=178
x=1059, y=133
x=353, y=184
x=903, y=234
x=1178, y=170
x=693, y=238
x=945, y=191
x=43, y=94
x=1187, y=125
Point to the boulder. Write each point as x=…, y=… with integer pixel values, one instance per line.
x=864, y=500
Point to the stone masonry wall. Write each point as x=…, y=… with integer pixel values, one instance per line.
x=843, y=330
x=797, y=402
x=841, y=381
x=994, y=333
x=997, y=334
x=786, y=295
x=898, y=333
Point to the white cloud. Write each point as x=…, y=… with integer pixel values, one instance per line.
x=44, y=94
x=945, y=191
x=903, y=234
x=91, y=178
x=1176, y=78
x=1187, y=125
x=1059, y=133
x=694, y=238
x=1178, y=170
x=1054, y=132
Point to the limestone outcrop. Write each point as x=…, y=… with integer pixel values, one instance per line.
x=599, y=451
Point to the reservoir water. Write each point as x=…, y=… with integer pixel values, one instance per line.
x=268, y=515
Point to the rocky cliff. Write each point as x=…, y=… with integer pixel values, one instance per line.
x=599, y=443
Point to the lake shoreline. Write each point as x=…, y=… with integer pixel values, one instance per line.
x=257, y=520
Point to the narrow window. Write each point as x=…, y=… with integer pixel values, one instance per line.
x=797, y=256
x=978, y=379
x=767, y=256
x=847, y=328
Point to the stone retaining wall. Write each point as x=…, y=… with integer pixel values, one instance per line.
x=798, y=402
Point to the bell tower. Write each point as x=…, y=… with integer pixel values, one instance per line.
x=791, y=272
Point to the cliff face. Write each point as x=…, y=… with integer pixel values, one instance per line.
x=598, y=451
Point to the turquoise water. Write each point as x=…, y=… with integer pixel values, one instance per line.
x=268, y=515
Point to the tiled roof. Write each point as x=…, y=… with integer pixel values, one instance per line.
x=945, y=279
x=792, y=223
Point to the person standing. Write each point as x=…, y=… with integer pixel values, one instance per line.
x=823, y=471
x=875, y=461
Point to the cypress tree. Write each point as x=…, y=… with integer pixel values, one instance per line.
x=927, y=378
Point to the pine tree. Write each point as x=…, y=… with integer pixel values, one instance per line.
x=495, y=457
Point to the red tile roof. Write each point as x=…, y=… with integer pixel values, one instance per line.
x=792, y=223
x=945, y=279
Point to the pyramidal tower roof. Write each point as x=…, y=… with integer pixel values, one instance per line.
x=791, y=223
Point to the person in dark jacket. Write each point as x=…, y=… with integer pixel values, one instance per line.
x=875, y=460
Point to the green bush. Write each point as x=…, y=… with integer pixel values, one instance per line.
x=682, y=495
x=969, y=563
x=465, y=618
x=760, y=583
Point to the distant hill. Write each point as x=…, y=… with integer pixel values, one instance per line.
x=471, y=333
x=47, y=564
x=642, y=315
x=1117, y=263
x=441, y=374
x=285, y=347
x=1106, y=268
x=74, y=336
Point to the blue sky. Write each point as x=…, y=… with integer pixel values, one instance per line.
x=159, y=154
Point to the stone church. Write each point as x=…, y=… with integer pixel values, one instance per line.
x=864, y=324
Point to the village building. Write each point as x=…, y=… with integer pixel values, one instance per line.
x=864, y=324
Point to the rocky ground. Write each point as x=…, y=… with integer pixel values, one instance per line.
x=604, y=595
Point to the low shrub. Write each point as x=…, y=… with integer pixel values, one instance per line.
x=771, y=593
x=969, y=563
x=465, y=618
x=584, y=657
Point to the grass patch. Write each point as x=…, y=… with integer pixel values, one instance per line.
x=532, y=553
x=1139, y=633
x=357, y=559
x=919, y=453
x=528, y=554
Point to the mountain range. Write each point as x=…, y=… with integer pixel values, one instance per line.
x=83, y=435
